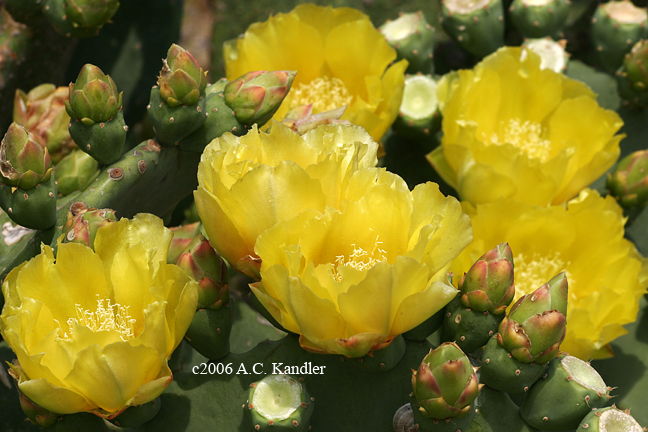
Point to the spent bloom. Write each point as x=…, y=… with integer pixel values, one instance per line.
x=331, y=71
x=584, y=238
x=349, y=280
x=92, y=331
x=248, y=184
x=513, y=130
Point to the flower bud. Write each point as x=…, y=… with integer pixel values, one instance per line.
x=536, y=325
x=90, y=14
x=42, y=112
x=182, y=236
x=75, y=171
x=488, y=285
x=83, y=223
x=445, y=384
x=182, y=81
x=23, y=161
x=628, y=182
x=93, y=97
x=256, y=96
x=204, y=264
x=35, y=413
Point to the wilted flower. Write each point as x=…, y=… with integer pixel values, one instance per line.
x=331, y=72
x=512, y=130
x=247, y=184
x=352, y=279
x=606, y=274
x=93, y=331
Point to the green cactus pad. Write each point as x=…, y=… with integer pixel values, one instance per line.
x=280, y=403
x=569, y=390
x=209, y=332
x=220, y=119
x=539, y=18
x=104, y=141
x=413, y=39
x=171, y=125
x=468, y=328
x=419, y=115
x=616, y=27
x=502, y=372
x=75, y=171
x=381, y=360
x=34, y=208
x=610, y=419
x=477, y=26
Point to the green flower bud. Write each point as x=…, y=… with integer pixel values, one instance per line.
x=536, y=325
x=204, y=264
x=488, y=285
x=445, y=384
x=75, y=171
x=182, y=81
x=628, y=182
x=256, y=96
x=280, y=403
x=83, y=222
x=23, y=161
x=182, y=236
x=632, y=76
x=93, y=97
x=42, y=112
x=35, y=413
x=90, y=14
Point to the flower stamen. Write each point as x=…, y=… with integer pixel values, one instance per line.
x=324, y=93
x=360, y=259
x=107, y=317
x=527, y=136
x=534, y=271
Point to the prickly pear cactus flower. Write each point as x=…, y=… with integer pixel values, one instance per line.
x=331, y=72
x=92, y=331
x=248, y=184
x=584, y=238
x=512, y=130
x=350, y=280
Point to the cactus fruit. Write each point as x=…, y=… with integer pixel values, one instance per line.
x=616, y=27
x=413, y=39
x=42, y=112
x=468, y=328
x=610, y=419
x=476, y=25
x=280, y=403
x=488, y=286
x=539, y=18
x=79, y=18
x=569, y=390
x=552, y=53
x=23, y=161
x=75, y=171
x=632, y=76
x=33, y=208
x=97, y=121
x=209, y=332
x=383, y=359
x=445, y=384
x=36, y=414
x=83, y=222
x=536, y=324
x=203, y=264
x=501, y=371
x=182, y=236
x=628, y=182
x=419, y=115
x=256, y=96
x=178, y=104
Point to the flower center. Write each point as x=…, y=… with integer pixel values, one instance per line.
x=324, y=93
x=531, y=272
x=526, y=136
x=107, y=317
x=359, y=259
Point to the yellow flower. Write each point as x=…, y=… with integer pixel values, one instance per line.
x=340, y=59
x=247, y=184
x=605, y=273
x=93, y=331
x=511, y=130
x=350, y=280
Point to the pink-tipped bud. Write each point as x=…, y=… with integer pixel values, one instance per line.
x=83, y=222
x=24, y=162
x=182, y=81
